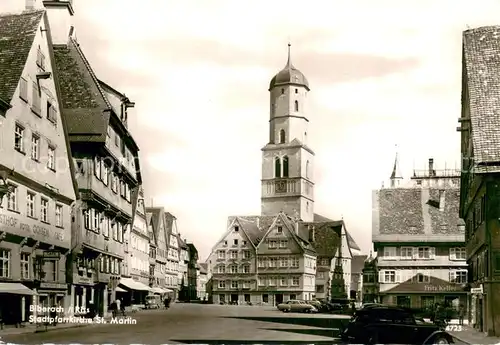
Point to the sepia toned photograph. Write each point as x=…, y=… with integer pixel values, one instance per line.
x=234, y=172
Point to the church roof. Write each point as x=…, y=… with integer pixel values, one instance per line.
x=289, y=75
x=17, y=32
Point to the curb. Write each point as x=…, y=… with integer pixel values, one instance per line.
x=60, y=328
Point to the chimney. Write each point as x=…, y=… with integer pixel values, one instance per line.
x=30, y=4
x=60, y=15
x=431, y=167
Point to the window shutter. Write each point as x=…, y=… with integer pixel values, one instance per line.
x=452, y=254
x=86, y=218
x=432, y=252
x=381, y=277
x=398, y=278
x=451, y=276
x=96, y=167
x=415, y=252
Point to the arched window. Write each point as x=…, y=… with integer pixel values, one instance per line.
x=305, y=137
x=307, y=206
x=307, y=169
x=277, y=167
x=285, y=166
x=282, y=136
x=296, y=105
x=282, y=91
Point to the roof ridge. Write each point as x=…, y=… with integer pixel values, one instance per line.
x=91, y=72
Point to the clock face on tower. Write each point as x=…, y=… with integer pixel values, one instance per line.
x=280, y=186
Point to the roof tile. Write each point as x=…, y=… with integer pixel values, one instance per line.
x=17, y=32
x=481, y=49
x=85, y=106
x=416, y=211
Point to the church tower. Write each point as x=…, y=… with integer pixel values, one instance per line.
x=287, y=161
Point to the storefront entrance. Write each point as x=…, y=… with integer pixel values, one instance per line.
x=403, y=301
x=279, y=298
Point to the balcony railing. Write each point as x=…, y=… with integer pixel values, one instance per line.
x=436, y=173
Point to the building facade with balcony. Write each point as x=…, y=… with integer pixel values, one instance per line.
x=192, y=274
x=480, y=176
x=158, y=221
x=107, y=171
x=36, y=170
x=173, y=254
x=419, y=240
x=202, y=281
x=139, y=242
x=370, y=281
x=182, y=274
x=152, y=250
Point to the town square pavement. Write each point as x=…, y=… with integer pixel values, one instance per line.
x=199, y=324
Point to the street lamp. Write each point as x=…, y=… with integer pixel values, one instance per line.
x=4, y=186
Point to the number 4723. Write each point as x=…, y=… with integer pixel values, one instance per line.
x=453, y=328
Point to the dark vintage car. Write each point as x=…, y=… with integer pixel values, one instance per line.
x=379, y=324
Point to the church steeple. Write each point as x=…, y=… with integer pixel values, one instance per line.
x=289, y=75
x=287, y=161
x=396, y=177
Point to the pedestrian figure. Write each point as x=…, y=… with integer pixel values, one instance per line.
x=461, y=314
x=119, y=307
x=113, y=308
x=168, y=302
x=439, y=316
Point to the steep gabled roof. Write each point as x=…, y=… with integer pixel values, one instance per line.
x=255, y=226
x=350, y=240
x=17, y=33
x=84, y=103
x=326, y=236
x=481, y=76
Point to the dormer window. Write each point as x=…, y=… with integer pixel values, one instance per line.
x=236, y=228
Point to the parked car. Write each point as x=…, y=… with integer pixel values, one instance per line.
x=392, y=325
x=296, y=306
x=153, y=302
x=315, y=303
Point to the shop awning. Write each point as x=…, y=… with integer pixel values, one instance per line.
x=168, y=290
x=119, y=289
x=158, y=290
x=16, y=289
x=134, y=285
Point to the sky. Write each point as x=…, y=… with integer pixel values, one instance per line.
x=382, y=73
